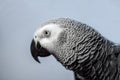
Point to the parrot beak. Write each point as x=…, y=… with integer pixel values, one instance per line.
x=37, y=50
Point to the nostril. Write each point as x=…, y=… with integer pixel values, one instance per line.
x=35, y=36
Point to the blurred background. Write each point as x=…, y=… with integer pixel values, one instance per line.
x=20, y=18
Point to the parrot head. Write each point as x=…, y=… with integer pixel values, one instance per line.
x=45, y=41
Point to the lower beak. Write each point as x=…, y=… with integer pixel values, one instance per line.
x=37, y=50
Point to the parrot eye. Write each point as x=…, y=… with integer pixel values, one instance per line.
x=47, y=33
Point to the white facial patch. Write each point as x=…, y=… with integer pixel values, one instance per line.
x=48, y=42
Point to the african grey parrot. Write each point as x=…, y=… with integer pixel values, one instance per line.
x=78, y=47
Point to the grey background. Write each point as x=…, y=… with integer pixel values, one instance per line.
x=20, y=18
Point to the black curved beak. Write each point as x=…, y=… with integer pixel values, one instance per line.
x=37, y=50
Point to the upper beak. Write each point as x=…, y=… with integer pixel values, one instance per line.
x=37, y=50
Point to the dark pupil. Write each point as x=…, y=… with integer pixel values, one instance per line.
x=46, y=32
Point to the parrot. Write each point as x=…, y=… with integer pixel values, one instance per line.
x=79, y=48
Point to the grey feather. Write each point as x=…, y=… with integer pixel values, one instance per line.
x=86, y=52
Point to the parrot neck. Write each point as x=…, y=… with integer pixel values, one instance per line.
x=102, y=66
